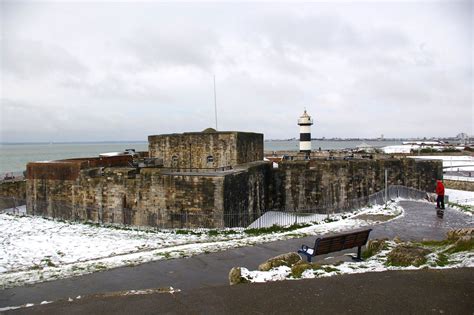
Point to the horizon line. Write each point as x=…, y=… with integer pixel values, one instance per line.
x=270, y=139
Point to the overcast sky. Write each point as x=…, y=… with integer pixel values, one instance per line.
x=93, y=71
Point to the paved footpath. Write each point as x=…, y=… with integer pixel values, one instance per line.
x=211, y=270
x=449, y=291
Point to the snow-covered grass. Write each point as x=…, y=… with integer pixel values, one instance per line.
x=461, y=200
x=438, y=259
x=34, y=249
x=461, y=197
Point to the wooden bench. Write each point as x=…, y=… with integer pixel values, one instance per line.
x=337, y=243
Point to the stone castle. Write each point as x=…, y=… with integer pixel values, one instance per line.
x=207, y=179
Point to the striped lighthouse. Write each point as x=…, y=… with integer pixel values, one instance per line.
x=305, y=123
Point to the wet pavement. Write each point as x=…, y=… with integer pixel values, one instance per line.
x=420, y=222
x=447, y=291
x=211, y=270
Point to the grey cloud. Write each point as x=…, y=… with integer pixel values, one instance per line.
x=173, y=45
x=328, y=33
x=33, y=59
x=147, y=69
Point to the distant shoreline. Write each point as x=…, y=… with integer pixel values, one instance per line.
x=71, y=142
x=266, y=140
x=341, y=139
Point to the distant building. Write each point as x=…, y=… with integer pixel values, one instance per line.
x=463, y=138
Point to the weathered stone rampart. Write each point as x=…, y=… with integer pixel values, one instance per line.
x=162, y=197
x=154, y=196
x=246, y=194
x=330, y=184
x=12, y=193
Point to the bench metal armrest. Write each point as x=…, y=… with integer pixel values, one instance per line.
x=304, y=248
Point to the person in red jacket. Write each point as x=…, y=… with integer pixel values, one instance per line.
x=440, y=193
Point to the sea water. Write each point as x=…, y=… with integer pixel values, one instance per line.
x=14, y=157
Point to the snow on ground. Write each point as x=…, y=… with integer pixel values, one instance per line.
x=451, y=162
x=461, y=200
x=376, y=263
x=34, y=249
x=461, y=197
x=391, y=149
x=21, y=210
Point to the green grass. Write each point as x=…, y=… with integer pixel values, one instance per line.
x=453, y=245
x=442, y=260
x=213, y=233
x=421, y=262
x=76, y=268
x=435, y=243
x=461, y=246
x=464, y=208
x=368, y=253
x=100, y=266
x=330, y=269
x=298, y=269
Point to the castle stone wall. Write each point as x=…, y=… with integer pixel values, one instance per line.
x=165, y=198
x=191, y=150
x=246, y=194
x=331, y=184
x=12, y=193
x=152, y=197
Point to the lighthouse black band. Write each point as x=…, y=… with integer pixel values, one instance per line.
x=305, y=137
